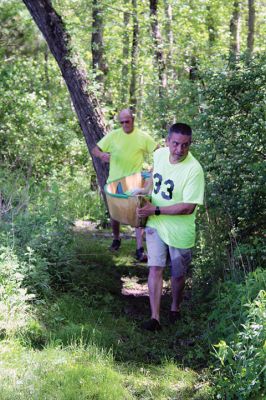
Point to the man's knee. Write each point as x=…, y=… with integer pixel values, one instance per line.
x=156, y=272
x=179, y=279
x=180, y=262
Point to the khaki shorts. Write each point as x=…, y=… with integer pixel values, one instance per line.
x=159, y=253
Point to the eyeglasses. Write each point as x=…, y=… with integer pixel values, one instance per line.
x=125, y=122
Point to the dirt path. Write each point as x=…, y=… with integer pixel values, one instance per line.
x=93, y=229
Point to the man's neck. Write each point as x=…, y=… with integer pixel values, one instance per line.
x=173, y=161
x=128, y=133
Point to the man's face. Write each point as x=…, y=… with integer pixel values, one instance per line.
x=126, y=121
x=178, y=146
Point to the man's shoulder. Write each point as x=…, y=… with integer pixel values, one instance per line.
x=111, y=134
x=194, y=165
x=142, y=132
x=194, y=161
x=116, y=131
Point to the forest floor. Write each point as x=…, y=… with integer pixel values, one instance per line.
x=86, y=341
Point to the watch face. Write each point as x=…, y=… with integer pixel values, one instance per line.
x=157, y=211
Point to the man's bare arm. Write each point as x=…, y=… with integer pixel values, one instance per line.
x=97, y=152
x=175, y=209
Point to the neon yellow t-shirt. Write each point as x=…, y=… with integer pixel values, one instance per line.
x=176, y=183
x=127, y=151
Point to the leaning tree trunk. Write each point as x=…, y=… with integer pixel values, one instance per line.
x=86, y=106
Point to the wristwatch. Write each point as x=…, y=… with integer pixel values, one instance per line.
x=157, y=211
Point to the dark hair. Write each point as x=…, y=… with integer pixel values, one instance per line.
x=183, y=129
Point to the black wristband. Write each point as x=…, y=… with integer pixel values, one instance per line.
x=157, y=211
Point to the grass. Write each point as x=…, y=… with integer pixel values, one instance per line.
x=75, y=372
x=86, y=343
x=85, y=372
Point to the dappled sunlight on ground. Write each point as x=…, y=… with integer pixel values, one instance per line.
x=133, y=287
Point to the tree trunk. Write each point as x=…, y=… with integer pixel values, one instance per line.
x=158, y=44
x=193, y=69
x=251, y=26
x=86, y=106
x=46, y=74
x=140, y=98
x=125, y=61
x=169, y=33
x=134, y=58
x=210, y=22
x=97, y=45
x=235, y=25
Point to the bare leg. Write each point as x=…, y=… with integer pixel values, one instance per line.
x=177, y=285
x=155, y=284
x=115, y=229
x=139, y=232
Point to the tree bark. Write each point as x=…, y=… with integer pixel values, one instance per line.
x=85, y=104
x=235, y=25
x=251, y=26
x=193, y=69
x=158, y=44
x=46, y=74
x=134, y=58
x=210, y=21
x=125, y=61
x=170, y=36
x=97, y=44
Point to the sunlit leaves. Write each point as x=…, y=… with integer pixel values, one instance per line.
x=37, y=123
x=233, y=128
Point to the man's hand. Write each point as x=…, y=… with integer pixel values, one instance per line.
x=105, y=157
x=135, y=192
x=146, y=211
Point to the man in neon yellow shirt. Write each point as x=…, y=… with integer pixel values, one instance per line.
x=177, y=188
x=125, y=149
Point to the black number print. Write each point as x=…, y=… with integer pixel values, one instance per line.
x=169, y=188
x=168, y=194
x=157, y=185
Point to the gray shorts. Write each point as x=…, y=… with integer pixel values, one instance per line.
x=159, y=252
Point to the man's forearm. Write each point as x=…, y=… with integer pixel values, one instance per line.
x=96, y=152
x=178, y=209
x=175, y=209
x=104, y=157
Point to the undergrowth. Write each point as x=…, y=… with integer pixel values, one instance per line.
x=70, y=315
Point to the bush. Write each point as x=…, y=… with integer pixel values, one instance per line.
x=232, y=135
x=38, y=130
x=14, y=298
x=241, y=350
